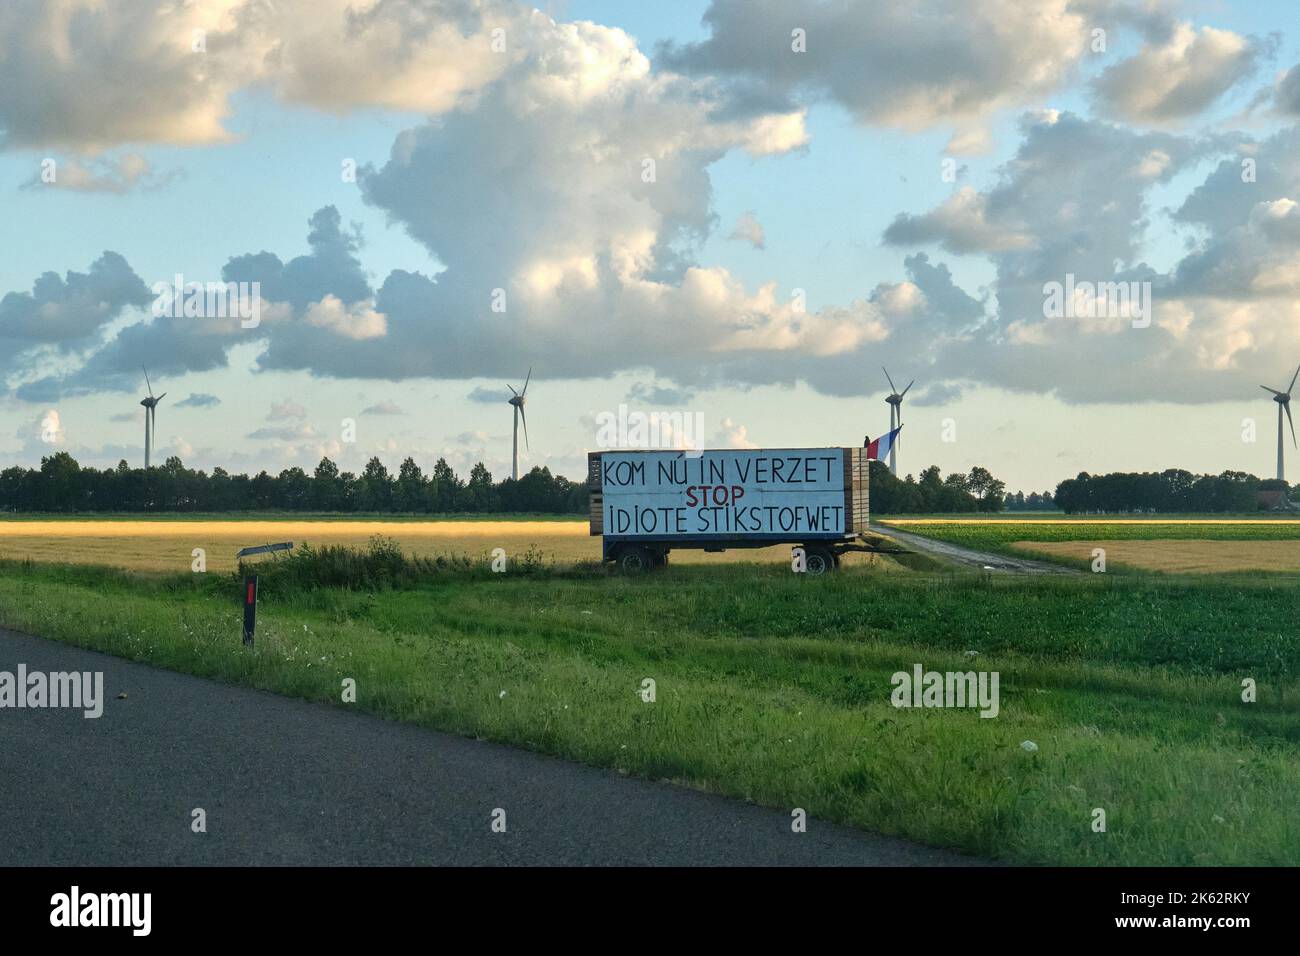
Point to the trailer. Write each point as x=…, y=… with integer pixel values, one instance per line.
x=645, y=504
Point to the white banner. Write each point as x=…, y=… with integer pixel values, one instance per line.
x=779, y=492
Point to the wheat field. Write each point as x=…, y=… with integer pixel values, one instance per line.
x=153, y=545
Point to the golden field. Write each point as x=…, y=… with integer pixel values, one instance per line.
x=1180, y=556
x=168, y=545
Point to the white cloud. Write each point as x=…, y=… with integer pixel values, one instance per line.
x=1167, y=83
x=356, y=321
x=907, y=64
x=749, y=229
x=282, y=410
x=122, y=174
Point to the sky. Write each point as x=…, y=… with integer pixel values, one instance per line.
x=736, y=209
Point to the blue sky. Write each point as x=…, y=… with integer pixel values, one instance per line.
x=464, y=153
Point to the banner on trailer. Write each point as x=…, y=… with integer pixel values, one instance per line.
x=788, y=492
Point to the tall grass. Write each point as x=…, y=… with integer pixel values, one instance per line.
x=380, y=566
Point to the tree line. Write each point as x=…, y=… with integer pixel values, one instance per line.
x=60, y=484
x=1169, y=491
x=63, y=485
x=933, y=493
x=1031, y=502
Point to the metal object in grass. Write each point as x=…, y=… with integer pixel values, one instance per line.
x=265, y=549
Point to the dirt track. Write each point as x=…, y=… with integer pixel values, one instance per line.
x=974, y=560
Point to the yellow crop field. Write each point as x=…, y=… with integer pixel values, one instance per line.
x=1099, y=519
x=169, y=545
x=1180, y=556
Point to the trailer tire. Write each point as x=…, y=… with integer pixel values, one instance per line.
x=819, y=560
x=634, y=559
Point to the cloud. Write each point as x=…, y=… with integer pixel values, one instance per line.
x=906, y=64
x=356, y=321
x=69, y=312
x=961, y=224
x=656, y=394
x=567, y=190
x=282, y=410
x=124, y=174
x=488, y=396
x=1168, y=82
x=749, y=229
x=1078, y=190
x=475, y=438
x=289, y=433
x=199, y=400
x=1287, y=92
x=385, y=407
x=731, y=435
x=49, y=429
x=72, y=71
x=942, y=393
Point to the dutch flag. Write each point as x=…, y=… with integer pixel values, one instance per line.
x=879, y=449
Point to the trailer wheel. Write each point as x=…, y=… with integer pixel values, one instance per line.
x=819, y=560
x=634, y=559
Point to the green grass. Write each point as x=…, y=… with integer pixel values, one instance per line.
x=775, y=688
x=296, y=516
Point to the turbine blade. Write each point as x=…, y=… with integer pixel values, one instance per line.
x=513, y=392
x=909, y=385
x=888, y=379
x=524, y=418
x=146, y=380
x=1273, y=390
x=530, y=376
x=1293, y=378
x=160, y=398
x=1287, y=406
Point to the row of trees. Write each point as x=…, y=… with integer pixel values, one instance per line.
x=1030, y=502
x=61, y=484
x=1172, y=490
x=934, y=494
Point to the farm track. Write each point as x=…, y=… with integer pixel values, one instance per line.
x=967, y=558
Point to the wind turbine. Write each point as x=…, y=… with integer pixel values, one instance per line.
x=1283, y=400
x=895, y=400
x=150, y=404
x=517, y=400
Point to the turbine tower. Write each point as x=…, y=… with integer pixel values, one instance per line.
x=1283, y=400
x=895, y=400
x=149, y=404
x=517, y=400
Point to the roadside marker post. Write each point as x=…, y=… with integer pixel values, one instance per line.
x=250, y=585
x=250, y=608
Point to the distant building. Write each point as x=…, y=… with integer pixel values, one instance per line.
x=1273, y=501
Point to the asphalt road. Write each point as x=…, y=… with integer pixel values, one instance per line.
x=290, y=782
x=967, y=558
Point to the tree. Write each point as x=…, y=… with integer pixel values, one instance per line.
x=293, y=490
x=412, y=488
x=446, y=487
x=326, y=490
x=479, y=494
x=376, y=487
